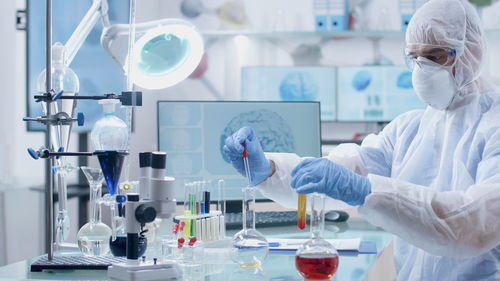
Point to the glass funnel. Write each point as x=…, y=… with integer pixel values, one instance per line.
x=317, y=259
x=250, y=247
x=93, y=237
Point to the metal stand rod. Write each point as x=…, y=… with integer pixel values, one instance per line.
x=49, y=215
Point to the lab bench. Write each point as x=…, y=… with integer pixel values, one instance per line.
x=277, y=266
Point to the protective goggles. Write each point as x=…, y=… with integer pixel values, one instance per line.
x=439, y=55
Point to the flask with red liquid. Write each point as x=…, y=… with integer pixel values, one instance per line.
x=317, y=259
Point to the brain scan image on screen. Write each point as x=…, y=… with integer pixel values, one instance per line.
x=404, y=80
x=298, y=86
x=273, y=137
x=361, y=80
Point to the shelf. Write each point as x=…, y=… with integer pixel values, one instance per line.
x=371, y=34
x=301, y=34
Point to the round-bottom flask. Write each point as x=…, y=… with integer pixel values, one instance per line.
x=93, y=239
x=250, y=247
x=317, y=259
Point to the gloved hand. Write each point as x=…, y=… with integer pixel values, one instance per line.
x=323, y=176
x=260, y=166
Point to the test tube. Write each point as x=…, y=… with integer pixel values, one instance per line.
x=202, y=197
x=301, y=213
x=186, y=196
x=197, y=197
x=221, y=194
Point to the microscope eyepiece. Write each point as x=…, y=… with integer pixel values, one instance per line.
x=145, y=159
x=159, y=160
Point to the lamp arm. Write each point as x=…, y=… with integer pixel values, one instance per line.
x=99, y=9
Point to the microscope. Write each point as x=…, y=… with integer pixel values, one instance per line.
x=157, y=201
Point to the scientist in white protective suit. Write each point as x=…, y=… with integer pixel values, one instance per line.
x=431, y=177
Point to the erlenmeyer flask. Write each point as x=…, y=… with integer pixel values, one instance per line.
x=317, y=259
x=93, y=237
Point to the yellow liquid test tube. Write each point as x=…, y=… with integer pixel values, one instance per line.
x=187, y=225
x=301, y=213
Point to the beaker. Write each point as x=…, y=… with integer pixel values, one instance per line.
x=250, y=247
x=93, y=237
x=317, y=259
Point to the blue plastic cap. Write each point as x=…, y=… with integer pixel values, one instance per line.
x=54, y=170
x=26, y=119
x=121, y=198
x=61, y=149
x=38, y=100
x=33, y=153
x=57, y=95
x=80, y=118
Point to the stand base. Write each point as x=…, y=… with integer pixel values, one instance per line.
x=144, y=271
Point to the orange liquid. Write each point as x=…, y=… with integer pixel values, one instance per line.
x=301, y=211
x=316, y=267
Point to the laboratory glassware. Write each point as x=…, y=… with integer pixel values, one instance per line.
x=62, y=219
x=317, y=259
x=109, y=132
x=64, y=81
x=301, y=211
x=93, y=237
x=250, y=247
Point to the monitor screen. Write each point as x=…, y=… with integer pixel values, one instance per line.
x=375, y=93
x=297, y=83
x=193, y=135
x=97, y=72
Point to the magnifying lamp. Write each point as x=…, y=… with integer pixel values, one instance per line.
x=166, y=52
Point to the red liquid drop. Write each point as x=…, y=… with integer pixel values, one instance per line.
x=316, y=267
x=301, y=224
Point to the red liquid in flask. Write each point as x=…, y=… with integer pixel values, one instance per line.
x=316, y=267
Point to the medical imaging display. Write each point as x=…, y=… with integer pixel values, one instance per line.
x=275, y=136
x=104, y=79
x=302, y=83
x=193, y=135
x=375, y=93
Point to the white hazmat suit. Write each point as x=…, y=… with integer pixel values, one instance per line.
x=434, y=174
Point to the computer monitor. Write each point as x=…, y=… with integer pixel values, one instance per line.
x=375, y=93
x=293, y=83
x=193, y=134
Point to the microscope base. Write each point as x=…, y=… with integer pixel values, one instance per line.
x=144, y=271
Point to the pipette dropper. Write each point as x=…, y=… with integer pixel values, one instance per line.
x=245, y=162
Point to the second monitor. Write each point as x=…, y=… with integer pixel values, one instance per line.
x=193, y=135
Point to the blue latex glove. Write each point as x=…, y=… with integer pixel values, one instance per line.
x=260, y=166
x=323, y=176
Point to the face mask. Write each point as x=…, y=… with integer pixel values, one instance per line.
x=434, y=83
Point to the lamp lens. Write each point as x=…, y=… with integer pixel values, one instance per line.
x=162, y=54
